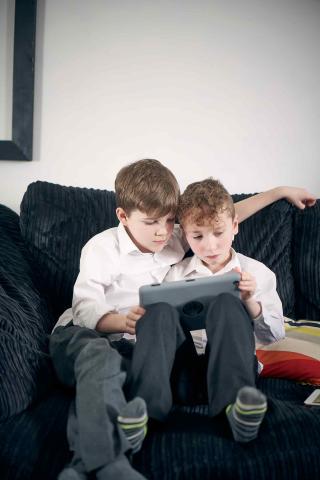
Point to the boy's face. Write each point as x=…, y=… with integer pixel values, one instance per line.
x=148, y=233
x=212, y=241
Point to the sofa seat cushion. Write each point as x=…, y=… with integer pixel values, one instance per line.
x=191, y=446
x=33, y=444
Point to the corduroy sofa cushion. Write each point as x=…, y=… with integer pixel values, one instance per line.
x=266, y=236
x=24, y=366
x=56, y=222
x=306, y=255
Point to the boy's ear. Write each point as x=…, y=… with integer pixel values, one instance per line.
x=122, y=216
x=235, y=225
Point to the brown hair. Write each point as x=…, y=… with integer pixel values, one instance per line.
x=201, y=202
x=148, y=186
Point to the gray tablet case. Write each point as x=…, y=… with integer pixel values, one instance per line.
x=190, y=296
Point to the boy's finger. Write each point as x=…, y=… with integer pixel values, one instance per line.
x=138, y=310
x=130, y=322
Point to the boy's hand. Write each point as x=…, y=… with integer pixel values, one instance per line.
x=114, y=322
x=299, y=197
x=247, y=286
x=134, y=314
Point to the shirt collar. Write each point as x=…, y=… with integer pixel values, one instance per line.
x=126, y=245
x=196, y=266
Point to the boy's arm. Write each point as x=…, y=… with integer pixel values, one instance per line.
x=299, y=197
x=269, y=325
x=89, y=300
x=259, y=294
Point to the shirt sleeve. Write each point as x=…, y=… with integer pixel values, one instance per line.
x=97, y=272
x=269, y=326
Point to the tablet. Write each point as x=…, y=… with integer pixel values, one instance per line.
x=190, y=296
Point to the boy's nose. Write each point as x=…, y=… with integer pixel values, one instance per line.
x=162, y=231
x=211, y=244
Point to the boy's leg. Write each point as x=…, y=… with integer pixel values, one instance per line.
x=83, y=358
x=76, y=468
x=159, y=335
x=188, y=374
x=232, y=367
x=230, y=351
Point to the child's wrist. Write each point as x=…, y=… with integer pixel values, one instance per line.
x=254, y=308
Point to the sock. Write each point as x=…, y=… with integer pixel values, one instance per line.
x=133, y=422
x=246, y=414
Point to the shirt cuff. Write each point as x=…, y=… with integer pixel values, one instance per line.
x=89, y=317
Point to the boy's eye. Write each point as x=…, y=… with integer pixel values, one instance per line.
x=218, y=234
x=197, y=237
x=150, y=222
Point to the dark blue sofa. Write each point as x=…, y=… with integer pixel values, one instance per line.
x=39, y=256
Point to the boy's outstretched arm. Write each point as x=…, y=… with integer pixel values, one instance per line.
x=299, y=197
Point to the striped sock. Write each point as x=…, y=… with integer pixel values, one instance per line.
x=133, y=422
x=246, y=414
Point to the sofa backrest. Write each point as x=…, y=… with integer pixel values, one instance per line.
x=56, y=221
x=306, y=261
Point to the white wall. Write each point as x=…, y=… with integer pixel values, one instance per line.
x=228, y=88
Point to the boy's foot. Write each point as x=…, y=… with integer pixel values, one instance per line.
x=133, y=422
x=246, y=414
x=120, y=469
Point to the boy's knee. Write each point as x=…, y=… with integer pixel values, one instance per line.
x=97, y=356
x=161, y=318
x=227, y=299
x=225, y=302
x=229, y=309
x=162, y=313
x=160, y=307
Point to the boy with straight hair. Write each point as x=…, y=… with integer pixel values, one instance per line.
x=103, y=359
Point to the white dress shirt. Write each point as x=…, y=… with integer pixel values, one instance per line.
x=112, y=269
x=269, y=326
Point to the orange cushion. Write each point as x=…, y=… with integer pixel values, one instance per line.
x=296, y=357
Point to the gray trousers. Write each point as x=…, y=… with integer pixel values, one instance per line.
x=85, y=359
x=162, y=367
x=166, y=374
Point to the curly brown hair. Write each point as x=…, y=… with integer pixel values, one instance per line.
x=148, y=186
x=202, y=202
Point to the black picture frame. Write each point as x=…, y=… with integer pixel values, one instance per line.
x=20, y=146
